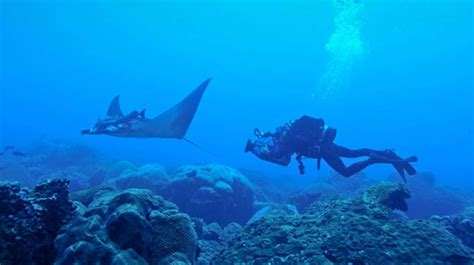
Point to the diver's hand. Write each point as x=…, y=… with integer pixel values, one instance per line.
x=249, y=147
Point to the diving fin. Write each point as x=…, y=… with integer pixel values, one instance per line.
x=142, y=113
x=404, y=165
x=410, y=169
x=401, y=171
x=411, y=159
x=382, y=159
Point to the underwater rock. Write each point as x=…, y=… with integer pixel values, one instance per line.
x=119, y=167
x=172, y=233
x=230, y=232
x=97, y=178
x=175, y=259
x=85, y=242
x=78, y=179
x=87, y=196
x=128, y=227
x=349, y=186
x=209, y=247
x=357, y=230
x=429, y=199
x=213, y=239
x=268, y=188
x=304, y=199
x=30, y=220
x=152, y=177
x=215, y=193
x=333, y=185
x=198, y=225
x=55, y=208
x=211, y=231
x=274, y=209
x=461, y=225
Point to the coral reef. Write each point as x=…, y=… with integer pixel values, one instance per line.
x=119, y=167
x=364, y=229
x=86, y=197
x=333, y=185
x=30, y=221
x=308, y=196
x=114, y=217
x=128, y=227
x=214, y=193
x=429, y=199
x=150, y=176
x=350, y=186
x=215, y=239
x=461, y=225
x=273, y=209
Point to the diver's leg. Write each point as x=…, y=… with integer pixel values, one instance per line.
x=330, y=155
x=352, y=153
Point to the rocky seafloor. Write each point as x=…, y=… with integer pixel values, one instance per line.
x=65, y=204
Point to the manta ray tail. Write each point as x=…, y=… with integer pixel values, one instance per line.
x=199, y=147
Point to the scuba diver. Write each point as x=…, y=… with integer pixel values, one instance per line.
x=116, y=124
x=309, y=137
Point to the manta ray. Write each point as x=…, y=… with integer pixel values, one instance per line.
x=173, y=123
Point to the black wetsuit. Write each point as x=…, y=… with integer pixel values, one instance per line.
x=309, y=140
x=332, y=153
x=309, y=137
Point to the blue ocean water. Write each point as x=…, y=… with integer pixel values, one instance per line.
x=386, y=74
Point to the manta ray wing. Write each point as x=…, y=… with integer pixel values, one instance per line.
x=173, y=123
x=114, y=108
